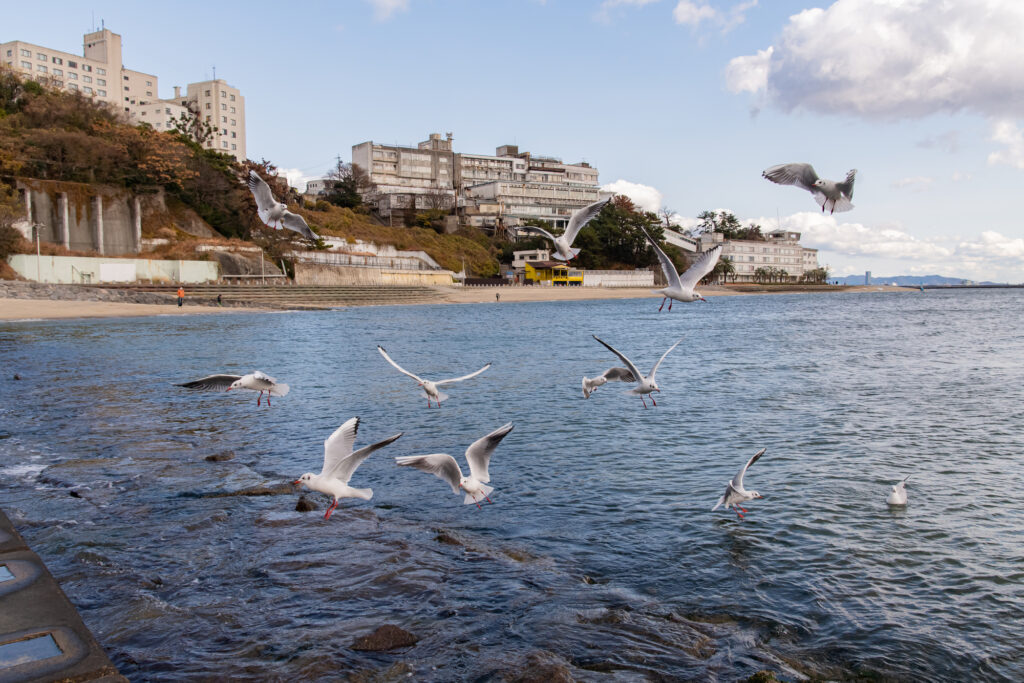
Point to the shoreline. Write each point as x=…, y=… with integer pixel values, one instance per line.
x=34, y=309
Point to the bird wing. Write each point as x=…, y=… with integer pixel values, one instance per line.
x=338, y=445
x=259, y=374
x=582, y=217
x=344, y=468
x=618, y=375
x=846, y=187
x=478, y=455
x=701, y=267
x=629, y=364
x=459, y=379
x=737, y=481
x=297, y=223
x=211, y=383
x=262, y=194
x=397, y=366
x=654, y=370
x=439, y=464
x=539, y=231
x=667, y=267
x=801, y=175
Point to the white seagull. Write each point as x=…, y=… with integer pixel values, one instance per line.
x=429, y=388
x=899, y=493
x=680, y=287
x=274, y=213
x=734, y=491
x=647, y=384
x=339, y=464
x=478, y=455
x=254, y=381
x=590, y=384
x=824, y=191
x=563, y=244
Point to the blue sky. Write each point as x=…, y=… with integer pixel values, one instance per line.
x=679, y=103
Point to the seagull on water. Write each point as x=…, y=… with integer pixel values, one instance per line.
x=824, y=191
x=254, y=381
x=590, y=384
x=647, y=384
x=429, y=388
x=899, y=493
x=734, y=491
x=680, y=287
x=563, y=244
x=339, y=464
x=274, y=213
x=478, y=455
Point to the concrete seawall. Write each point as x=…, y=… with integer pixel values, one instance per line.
x=318, y=274
x=42, y=638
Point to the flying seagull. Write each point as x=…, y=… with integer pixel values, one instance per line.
x=824, y=191
x=429, y=388
x=563, y=244
x=254, y=381
x=647, y=384
x=734, y=491
x=274, y=213
x=478, y=455
x=680, y=287
x=339, y=464
x=590, y=384
x=899, y=493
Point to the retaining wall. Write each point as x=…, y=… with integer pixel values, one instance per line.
x=316, y=274
x=85, y=269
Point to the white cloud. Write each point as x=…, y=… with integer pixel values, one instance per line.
x=644, y=196
x=960, y=177
x=894, y=59
x=917, y=183
x=947, y=142
x=691, y=13
x=296, y=178
x=1010, y=135
x=385, y=9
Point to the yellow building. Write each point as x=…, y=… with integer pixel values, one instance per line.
x=552, y=273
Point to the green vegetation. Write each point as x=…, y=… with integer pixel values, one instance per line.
x=727, y=224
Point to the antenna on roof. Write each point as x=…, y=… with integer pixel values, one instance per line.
x=103, y=26
x=214, y=72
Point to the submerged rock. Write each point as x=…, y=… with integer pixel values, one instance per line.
x=220, y=457
x=386, y=637
x=259, y=490
x=304, y=505
x=542, y=667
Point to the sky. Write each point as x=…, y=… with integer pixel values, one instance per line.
x=678, y=103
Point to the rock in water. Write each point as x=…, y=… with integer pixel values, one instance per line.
x=386, y=637
x=220, y=457
x=304, y=505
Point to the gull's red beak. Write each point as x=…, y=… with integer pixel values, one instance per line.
x=296, y=482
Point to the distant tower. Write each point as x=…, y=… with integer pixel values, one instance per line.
x=867, y=277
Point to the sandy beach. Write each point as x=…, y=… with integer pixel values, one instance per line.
x=41, y=309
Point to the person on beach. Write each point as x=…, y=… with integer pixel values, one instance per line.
x=497, y=297
x=181, y=295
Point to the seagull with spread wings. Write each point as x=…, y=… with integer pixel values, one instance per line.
x=590, y=384
x=564, y=250
x=274, y=213
x=478, y=455
x=680, y=287
x=430, y=389
x=824, y=191
x=646, y=385
x=339, y=464
x=254, y=381
x=734, y=491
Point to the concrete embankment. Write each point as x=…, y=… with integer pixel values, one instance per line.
x=42, y=637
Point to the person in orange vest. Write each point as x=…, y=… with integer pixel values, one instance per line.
x=181, y=295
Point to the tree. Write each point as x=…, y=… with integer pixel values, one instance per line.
x=192, y=125
x=666, y=215
x=723, y=269
x=348, y=183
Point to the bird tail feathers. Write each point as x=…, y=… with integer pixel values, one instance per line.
x=279, y=390
x=441, y=396
x=365, y=494
x=719, y=503
x=485, y=491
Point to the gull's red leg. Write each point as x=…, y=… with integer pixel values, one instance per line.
x=662, y=304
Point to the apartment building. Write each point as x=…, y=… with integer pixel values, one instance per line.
x=100, y=74
x=781, y=249
x=488, y=190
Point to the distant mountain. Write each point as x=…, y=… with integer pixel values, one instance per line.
x=907, y=280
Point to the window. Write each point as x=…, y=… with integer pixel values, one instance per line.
x=224, y=144
x=72, y=86
x=26, y=53
x=207, y=93
x=223, y=119
x=149, y=84
x=72, y=65
x=72, y=75
x=167, y=110
x=26, y=65
x=126, y=88
x=58, y=60
x=233, y=134
x=232, y=97
x=223, y=107
x=101, y=72
x=88, y=91
x=207, y=106
x=100, y=81
x=142, y=113
x=86, y=67
x=234, y=147
x=87, y=79
x=232, y=110
x=58, y=72
x=232, y=122
x=126, y=78
x=9, y=53
x=41, y=57
x=102, y=93
x=41, y=68
x=223, y=94
x=149, y=93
